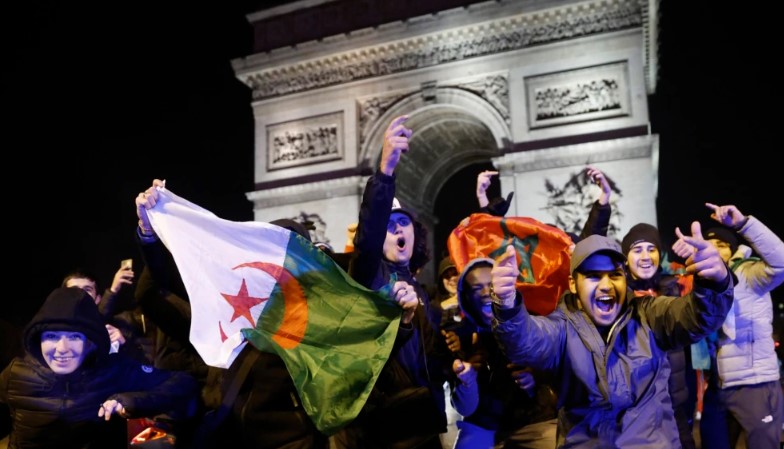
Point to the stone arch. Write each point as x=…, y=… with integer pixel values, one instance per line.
x=458, y=129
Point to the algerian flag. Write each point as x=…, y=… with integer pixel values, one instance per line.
x=257, y=282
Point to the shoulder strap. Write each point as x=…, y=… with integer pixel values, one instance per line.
x=231, y=392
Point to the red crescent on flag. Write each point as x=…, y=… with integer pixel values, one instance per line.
x=295, y=310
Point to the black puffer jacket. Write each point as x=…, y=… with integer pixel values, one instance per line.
x=61, y=411
x=420, y=357
x=266, y=413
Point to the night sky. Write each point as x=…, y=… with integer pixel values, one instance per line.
x=98, y=102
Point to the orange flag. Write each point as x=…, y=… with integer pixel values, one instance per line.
x=542, y=254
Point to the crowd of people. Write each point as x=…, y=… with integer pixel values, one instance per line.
x=615, y=364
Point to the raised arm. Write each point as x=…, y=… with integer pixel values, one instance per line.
x=767, y=273
x=376, y=207
x=526, y=340
x=598, y=221
x=483, y=180
x=680, y=321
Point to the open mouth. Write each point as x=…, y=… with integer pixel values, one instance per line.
x=401, y=242
x=605, y=304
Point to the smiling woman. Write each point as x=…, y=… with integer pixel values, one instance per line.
x=64, y=351
x=69, y=391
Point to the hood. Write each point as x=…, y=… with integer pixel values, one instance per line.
x=471, y=308
x=68, y=309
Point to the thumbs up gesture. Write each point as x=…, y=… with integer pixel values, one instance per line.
x=504, y=274
x=703, y=258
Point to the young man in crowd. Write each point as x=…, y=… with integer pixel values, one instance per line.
x=610, y=353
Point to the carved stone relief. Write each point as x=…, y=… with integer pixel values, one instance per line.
x=494, y=89
x=578, y=95
x=568, y=204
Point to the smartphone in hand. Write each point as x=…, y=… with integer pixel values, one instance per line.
x=126, y=264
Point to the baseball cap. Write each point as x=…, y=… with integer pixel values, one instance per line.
x=396, y=207
x=591, y=245
x=445, y=264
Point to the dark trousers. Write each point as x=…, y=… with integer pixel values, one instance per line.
x=756, y=409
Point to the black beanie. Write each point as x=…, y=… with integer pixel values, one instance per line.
x=725, y=235
x=641, y=232
x=293, y=226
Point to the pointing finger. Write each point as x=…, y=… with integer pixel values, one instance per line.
x=398, y=121
x=396, y=128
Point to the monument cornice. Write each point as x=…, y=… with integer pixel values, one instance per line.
x=311, y=191
x=586, y=153
x=274, y=78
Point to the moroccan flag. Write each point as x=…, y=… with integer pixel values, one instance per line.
x=542, y=254
x=257, y=282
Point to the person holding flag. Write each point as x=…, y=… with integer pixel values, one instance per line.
x=407, y=407
x=318, y=340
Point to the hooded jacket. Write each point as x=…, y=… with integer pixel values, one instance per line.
x=49, y=410
x=746, y=352
x=614, y=393
x=503, y=406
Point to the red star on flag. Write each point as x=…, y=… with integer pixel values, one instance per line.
x=242, y=303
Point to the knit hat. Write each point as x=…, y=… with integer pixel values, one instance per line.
x=641, y=232
x=592, y=244
x=725, y=235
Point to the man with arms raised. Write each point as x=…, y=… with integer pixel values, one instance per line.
x=609, y=352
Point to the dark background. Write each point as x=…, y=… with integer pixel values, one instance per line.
x=99, y=101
